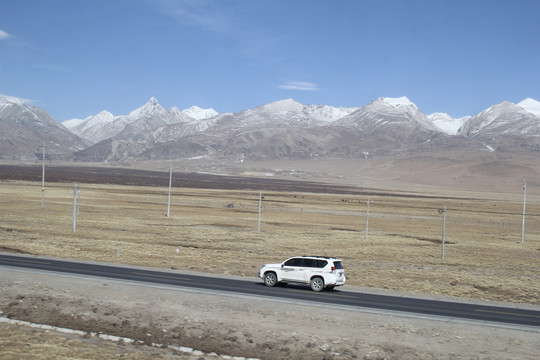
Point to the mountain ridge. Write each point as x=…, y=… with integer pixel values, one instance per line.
x=25, y=128
x=287, y=129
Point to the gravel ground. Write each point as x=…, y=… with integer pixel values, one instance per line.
x=224, y=325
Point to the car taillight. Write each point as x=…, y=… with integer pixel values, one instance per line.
x=333, y=268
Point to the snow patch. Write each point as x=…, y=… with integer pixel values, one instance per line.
x=7, y=100
x=197, y=113
x=288, y=105
x=489, y=148
x=531, y=106
x=446, y=123
x=72, y=123
x=398, y=102
x=327, y=113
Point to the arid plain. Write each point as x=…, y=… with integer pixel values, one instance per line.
x=215, y=231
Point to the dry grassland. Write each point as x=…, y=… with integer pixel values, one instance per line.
x=484, y=256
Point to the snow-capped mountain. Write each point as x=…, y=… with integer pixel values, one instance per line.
x=288, y=129
x=388, y=113
x=90, y=127
x=145, y=118
x=260, y=132
x=149, y=116
x=504, y=125
x=23, y=128
x=389, y=126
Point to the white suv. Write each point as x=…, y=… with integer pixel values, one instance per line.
x=319, y=272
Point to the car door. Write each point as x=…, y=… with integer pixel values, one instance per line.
x=293, y=270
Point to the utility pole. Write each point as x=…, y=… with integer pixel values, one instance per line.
x=42, y=177
x=170, y=183
x=367, y=217
x=523, y=219
x=259, y=221
x=74, y=207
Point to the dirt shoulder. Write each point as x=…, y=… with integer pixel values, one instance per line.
x=226, y=325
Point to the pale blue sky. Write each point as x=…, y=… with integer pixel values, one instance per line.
x=75, y=58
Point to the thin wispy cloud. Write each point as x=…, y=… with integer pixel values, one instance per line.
x=53, y=67
x=197, y=13
x=299, y=85
x=4, y=35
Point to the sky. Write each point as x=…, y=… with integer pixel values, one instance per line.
x=77, y=58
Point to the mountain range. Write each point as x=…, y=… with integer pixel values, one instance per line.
x=283, y=129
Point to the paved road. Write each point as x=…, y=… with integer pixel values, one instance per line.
x=495, y=314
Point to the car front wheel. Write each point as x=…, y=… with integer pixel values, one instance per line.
x=270, y=279
x=317, y=284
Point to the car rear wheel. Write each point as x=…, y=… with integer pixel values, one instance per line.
x=270, y=279
x=317, y=284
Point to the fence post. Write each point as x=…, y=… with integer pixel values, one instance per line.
x=259, y=221
x=443, y=211
x=74, y=207
x=367, y=217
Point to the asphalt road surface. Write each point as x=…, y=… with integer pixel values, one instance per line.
x=494, y=314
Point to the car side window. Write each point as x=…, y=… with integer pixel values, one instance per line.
x=309, y=263
x=320, y=263
x=293, y=262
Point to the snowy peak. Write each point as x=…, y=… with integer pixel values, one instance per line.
x=396, y=106
x=327, y=113
x=105, y=116
x=197, y=113
x=396, y=111
x=79, y=126
x=102, y=118
x=496, y=111
x=10, y=100
x=531, y=106
x=283, y=106
x=398, y=102
x=177, y=116
x=151, y=108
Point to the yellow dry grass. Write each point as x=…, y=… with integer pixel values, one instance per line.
x=484, y=256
